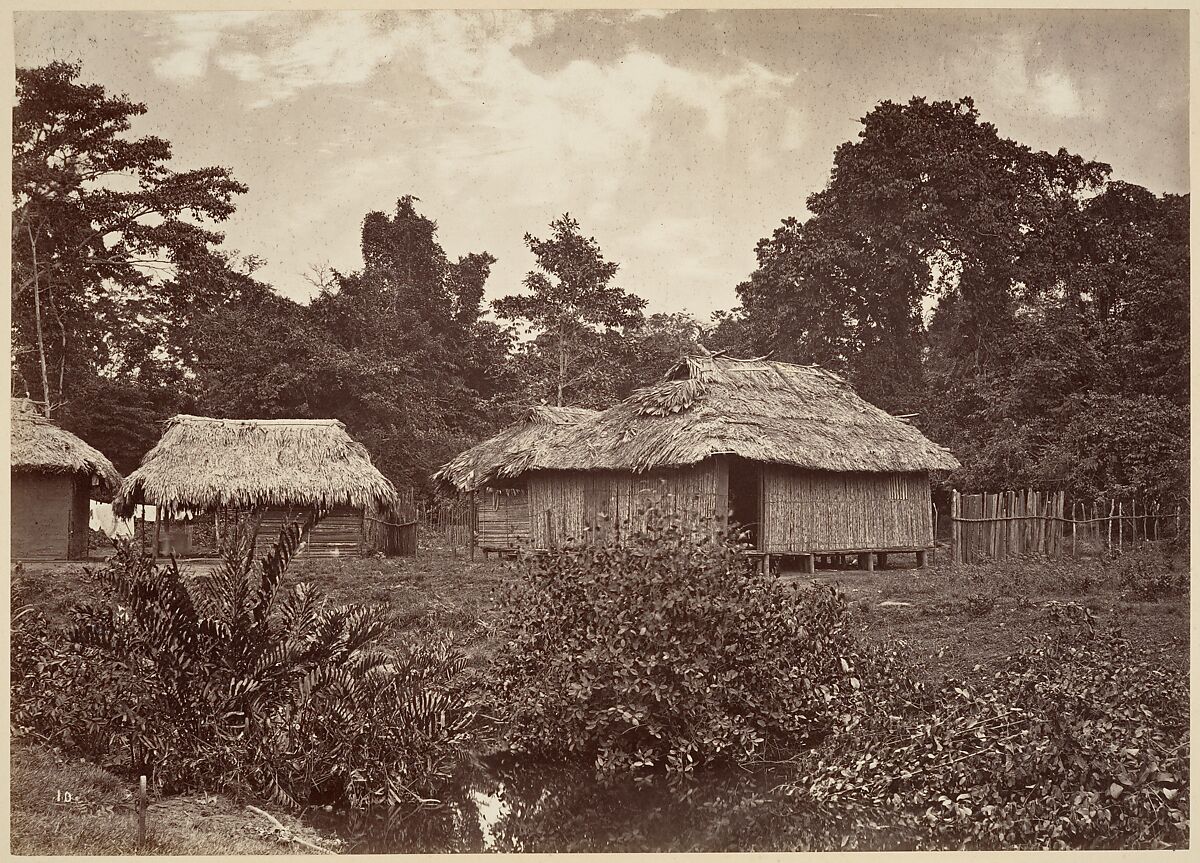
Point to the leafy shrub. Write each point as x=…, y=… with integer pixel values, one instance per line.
x=1076, y=743
x=1146, y=574
x=667, y=652
x=231, y=679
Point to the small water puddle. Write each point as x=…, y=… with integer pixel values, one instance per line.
x=509, y=806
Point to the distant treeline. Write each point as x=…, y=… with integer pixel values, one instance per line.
x=1031, y=310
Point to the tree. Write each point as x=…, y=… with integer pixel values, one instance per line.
x=397, y=350
x=102, y=230
x=929, y=202
x=570, y=298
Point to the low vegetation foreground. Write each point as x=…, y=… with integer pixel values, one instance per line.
x=1035, y=704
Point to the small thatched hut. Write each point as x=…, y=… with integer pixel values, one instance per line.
x=492, y=472
x=789, y=452
x=278, y=469
x=53, y=475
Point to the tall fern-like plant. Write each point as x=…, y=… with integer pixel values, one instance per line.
x=268, y=687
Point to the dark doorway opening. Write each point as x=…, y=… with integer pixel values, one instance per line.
x=745, y=498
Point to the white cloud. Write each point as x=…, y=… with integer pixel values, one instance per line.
x=1057, y=94
x=196, y=35
x=1051, y=91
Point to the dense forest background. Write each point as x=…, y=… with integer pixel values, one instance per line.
x=1028, y=307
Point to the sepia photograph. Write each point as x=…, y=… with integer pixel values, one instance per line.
x=599, y=430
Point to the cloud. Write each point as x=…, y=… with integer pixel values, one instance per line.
x=492, y=117
x=1052, y=90
x=1057, y=94
x=196, y=35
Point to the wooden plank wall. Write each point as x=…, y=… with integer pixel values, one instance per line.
x=338, y=534
x=822, y=511
x=502, y=519
x=78, y=529
x=580, y=506
x=41, y=515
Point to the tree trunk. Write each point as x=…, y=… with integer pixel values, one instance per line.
x=562, y=367
x=37, y=317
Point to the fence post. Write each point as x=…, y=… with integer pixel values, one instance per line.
x=1121, y=526
x=1059, y=527
x=141, y=813
x=955, y=537
x=1073, y=551
x=1112, y=507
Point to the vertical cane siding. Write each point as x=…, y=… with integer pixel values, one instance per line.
x=501, y=519
x=825, y=511
x=579, y=506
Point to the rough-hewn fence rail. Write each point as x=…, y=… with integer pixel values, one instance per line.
x=1012, y=523
x=450, y=524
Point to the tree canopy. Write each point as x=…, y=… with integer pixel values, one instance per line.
x=1031, y=309
x=1013, y=297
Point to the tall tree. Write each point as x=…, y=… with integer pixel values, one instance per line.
x=101, y=230
x=930, y=201
x=570, y=300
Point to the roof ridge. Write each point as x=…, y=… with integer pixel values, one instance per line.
x=192, y=418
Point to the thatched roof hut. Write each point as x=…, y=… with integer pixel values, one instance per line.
x=513, y=451
x=202, y=463
x=788, y=452
x=762, y=410
x=54, y=475
x=39, y=446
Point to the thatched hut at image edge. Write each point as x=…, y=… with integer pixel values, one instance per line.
x=789, y=452
x=275, y=469
x=492, y=472
x=54, y=474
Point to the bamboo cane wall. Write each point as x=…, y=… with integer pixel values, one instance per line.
x=43, y=516
x=581, y=505
x=501, y=519
x=824, y=511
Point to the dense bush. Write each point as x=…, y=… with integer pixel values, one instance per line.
x=1146, y=573
x=667, y=652
x=231, y=680
x=1076, y=742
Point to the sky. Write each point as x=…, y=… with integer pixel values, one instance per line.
x=677, y=139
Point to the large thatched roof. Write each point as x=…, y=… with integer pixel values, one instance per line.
x=759, y=409
x=201, y=463
x=39, y=446
x=513, y=451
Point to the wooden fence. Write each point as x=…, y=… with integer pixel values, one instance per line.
x=392, y=529
x=448, y=525
x=1014, y=523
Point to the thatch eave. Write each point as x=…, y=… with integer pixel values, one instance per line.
x=201, y=463
x=37, y=445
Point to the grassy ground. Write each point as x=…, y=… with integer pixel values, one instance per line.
x=99, y=815
x=971, y=616
x=957, y=619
